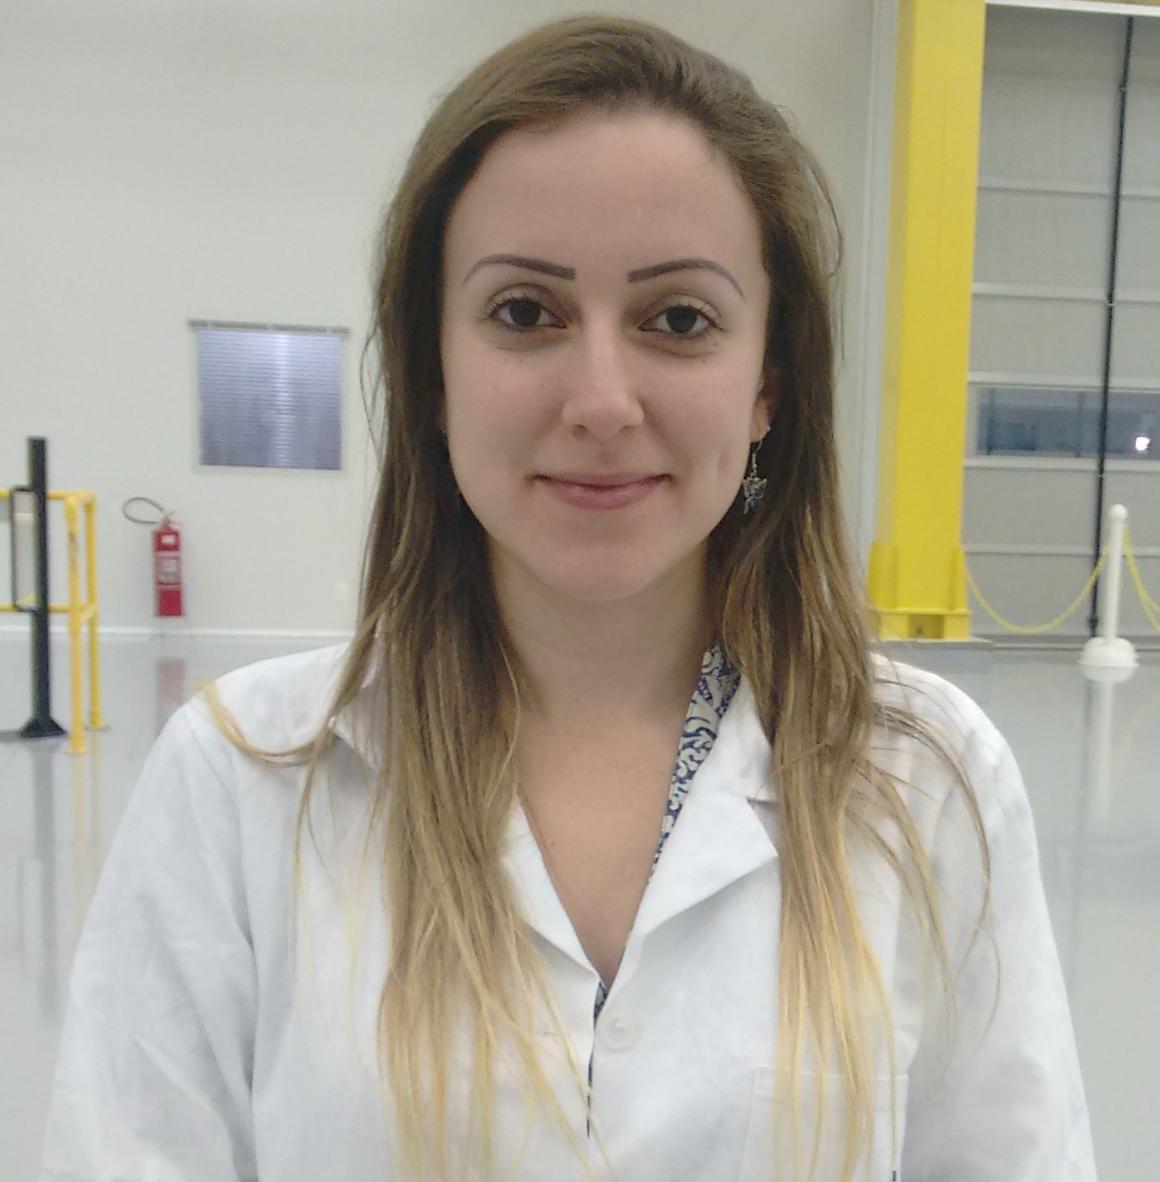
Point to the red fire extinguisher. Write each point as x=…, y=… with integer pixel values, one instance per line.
x=167, y=600
x=167, y=568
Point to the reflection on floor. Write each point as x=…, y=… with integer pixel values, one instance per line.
x=1090, y=757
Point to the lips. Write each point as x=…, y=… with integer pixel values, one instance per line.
x=604, y=491
x=601, y=480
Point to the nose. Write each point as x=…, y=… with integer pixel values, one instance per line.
x=601, y=396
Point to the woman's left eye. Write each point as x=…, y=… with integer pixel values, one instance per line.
x=680, y=320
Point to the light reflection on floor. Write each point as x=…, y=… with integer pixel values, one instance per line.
x=1090, y=756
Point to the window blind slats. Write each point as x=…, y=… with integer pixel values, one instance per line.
x=270, y=399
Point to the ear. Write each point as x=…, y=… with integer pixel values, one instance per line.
x=765, y=405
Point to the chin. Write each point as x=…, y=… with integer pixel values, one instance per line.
x=614, y=577
x=598, y=587
x=597, y=574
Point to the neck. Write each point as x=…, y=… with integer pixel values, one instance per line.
x=591, y=666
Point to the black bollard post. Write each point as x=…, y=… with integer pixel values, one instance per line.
x=41, y=724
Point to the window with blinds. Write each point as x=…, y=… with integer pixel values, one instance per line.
x=270, y=397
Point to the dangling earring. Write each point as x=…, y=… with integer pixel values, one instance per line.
x=753, y=486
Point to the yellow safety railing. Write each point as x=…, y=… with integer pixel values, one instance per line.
x=1151, y=607
x=80, y=612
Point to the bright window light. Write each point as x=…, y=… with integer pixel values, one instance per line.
x=1143, y=442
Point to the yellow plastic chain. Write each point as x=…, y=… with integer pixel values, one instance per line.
x=1036, y=629
x=1151, y=607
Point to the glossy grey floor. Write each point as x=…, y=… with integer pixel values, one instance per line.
x=1090, y=757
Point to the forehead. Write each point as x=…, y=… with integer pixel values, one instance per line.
x=602, y=188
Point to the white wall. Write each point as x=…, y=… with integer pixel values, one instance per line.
x=163, y=162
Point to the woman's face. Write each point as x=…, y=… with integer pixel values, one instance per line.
x=602, y=339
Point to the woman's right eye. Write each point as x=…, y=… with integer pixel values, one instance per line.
x=524, y=314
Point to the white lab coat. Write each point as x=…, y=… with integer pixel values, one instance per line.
x=186, y=1055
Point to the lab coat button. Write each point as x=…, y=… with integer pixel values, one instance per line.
x=618, y=1031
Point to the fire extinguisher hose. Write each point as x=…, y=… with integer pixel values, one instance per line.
x=164, y=516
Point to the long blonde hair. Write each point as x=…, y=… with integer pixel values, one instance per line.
x=787, y=610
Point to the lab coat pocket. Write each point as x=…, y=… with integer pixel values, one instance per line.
x=768, y=1155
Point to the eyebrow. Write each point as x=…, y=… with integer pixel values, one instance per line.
x=641, y=273
x=693, y=264
x=516, y=260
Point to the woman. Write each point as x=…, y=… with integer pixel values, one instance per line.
x=624, y=855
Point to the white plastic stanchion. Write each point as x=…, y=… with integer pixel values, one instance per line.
x=1097, y=784
x=1108, y=657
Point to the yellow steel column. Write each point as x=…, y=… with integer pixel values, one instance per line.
x=917, y=582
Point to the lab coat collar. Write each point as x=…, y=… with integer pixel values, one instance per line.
x=354, y=724
x=718, y=839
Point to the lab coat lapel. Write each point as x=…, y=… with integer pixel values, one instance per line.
x=718, y=838
x=534, y=891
